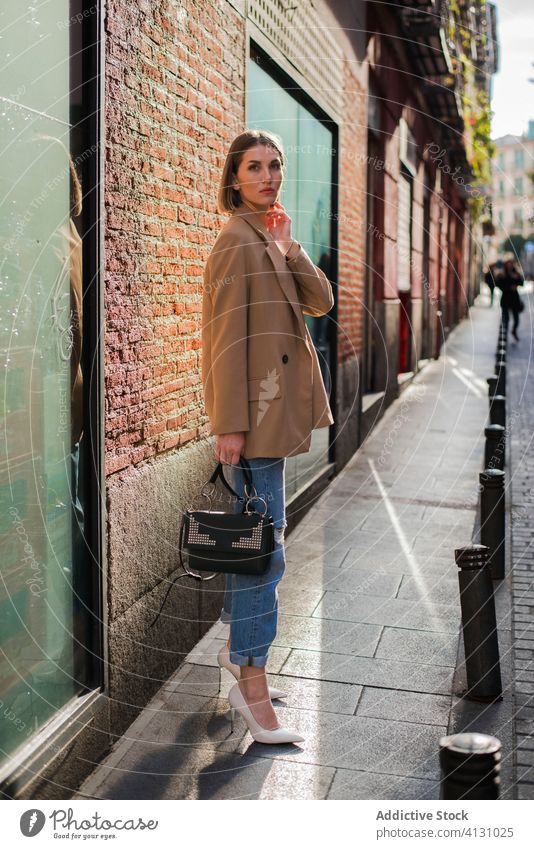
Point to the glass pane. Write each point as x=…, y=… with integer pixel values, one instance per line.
x=306, y=195
x=40, y=374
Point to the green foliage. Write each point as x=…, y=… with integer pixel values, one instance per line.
x=475, y=206
x=475, y=102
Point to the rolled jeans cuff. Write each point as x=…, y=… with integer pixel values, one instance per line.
x=243, y=660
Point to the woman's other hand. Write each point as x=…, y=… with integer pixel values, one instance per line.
x=229, y=447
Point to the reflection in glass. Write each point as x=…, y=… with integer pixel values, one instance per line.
x=41, y=382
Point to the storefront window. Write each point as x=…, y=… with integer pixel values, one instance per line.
x=307, y=196
x=42, y=492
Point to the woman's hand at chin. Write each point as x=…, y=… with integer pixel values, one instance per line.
x=278, y=223
x=229, y=447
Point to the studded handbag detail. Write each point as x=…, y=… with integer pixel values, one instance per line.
x=214, y=541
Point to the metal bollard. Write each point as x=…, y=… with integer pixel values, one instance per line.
x=492, y=386
x=501, y=355
x=479, y=625
x=497, y=410
x=492, y=519
x=470, y=766
x=495, y=447
x=500, y=371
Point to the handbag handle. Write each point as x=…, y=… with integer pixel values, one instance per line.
x=219, y=473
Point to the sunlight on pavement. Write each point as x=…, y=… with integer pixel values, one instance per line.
x=405, y=545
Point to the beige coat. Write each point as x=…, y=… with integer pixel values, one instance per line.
x=260, y=370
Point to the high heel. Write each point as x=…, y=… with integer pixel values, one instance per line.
x=260, y=734
x=223, y=659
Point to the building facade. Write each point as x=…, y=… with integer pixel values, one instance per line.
x=112, y=162
x=513, y=189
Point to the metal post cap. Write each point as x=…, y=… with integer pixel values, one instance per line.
x=492, y=478
x=471, y=556
x=471, y=742
x=495, y=430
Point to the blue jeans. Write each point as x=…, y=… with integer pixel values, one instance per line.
x=251, y=601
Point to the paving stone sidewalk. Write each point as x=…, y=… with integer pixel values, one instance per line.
x=369, y=626
x=520, y=428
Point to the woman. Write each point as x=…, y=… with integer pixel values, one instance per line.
x=263, y=389
x=510, y=299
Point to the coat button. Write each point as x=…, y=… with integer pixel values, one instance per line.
x=285, y=358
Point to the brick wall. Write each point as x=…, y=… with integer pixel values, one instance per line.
x=175, y=97
x=174, y=100
x=352, y=215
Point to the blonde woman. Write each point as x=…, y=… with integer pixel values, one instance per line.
x=263, y=390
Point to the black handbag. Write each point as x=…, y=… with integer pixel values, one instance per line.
x=215, y=541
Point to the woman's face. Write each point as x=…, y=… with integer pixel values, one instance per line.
x=259, y=169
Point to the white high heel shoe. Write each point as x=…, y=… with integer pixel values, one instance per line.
x=260, y=734
x=223, y=659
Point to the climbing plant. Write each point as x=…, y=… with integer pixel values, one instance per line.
x=476, y=108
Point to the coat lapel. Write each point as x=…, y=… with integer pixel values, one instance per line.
x=282, y=271
x=286, y=281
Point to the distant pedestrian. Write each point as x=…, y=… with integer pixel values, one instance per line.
x=510, y=299
x=490, y=277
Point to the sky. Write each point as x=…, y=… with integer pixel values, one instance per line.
x=513, y=95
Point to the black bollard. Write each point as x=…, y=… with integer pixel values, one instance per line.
x=494, y=448
x=501, y=355
x=492, y=386
x=470, y=766
x=479, y=625
x=497, y=410
x=492, y=519
x=500, y=371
